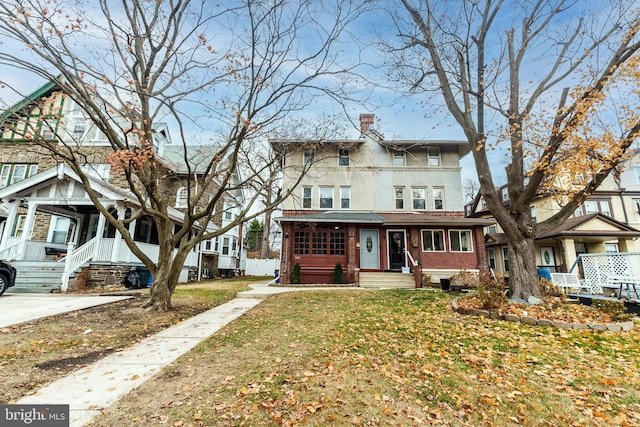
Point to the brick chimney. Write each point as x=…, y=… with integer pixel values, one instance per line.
x=366, y=122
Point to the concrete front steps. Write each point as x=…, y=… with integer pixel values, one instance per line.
x=37, y=276
x=386, y=280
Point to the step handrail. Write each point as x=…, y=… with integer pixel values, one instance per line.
x=75, y=258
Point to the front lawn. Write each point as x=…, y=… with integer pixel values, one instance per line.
x=369, y=358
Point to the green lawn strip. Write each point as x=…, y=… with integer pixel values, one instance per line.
x=391, y=357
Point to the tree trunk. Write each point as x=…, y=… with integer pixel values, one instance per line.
x=523, y=274
x=165, y=281
x=265, y=248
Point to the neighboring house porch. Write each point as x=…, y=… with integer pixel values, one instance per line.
x=50, y=218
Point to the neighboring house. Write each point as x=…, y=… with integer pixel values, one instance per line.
x=605, y=222
x=49, y=216
x=376, y=205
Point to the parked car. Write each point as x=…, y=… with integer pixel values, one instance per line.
x=7, y=276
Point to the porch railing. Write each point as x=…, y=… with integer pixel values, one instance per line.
x=75, y=258
x=13, y=249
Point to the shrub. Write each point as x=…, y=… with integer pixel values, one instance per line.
x=550, y=289
x=338, y=274
x=492, y=295
x=615, y=309
x=426, y=279
x=296, y=274
x=464, y=278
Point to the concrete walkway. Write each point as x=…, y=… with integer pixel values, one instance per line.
x=98, y=386
x=19, y=308
x=95, y=387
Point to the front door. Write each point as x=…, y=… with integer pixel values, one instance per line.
x=369, y=249
x=396, y=249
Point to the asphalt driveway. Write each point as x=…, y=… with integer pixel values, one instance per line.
x=19, y=308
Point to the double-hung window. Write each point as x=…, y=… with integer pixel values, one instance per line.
x=418, y=198
x=309, y=157
x=438, y=199
x=343, y=157
x=182, y=198
x=326, y=198
x=434, y=156
x=398, y=158
x=345, y=197
x=399, y=197
x=505, y=258
x=306, y=197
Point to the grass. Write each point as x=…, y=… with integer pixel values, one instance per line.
x=323, y=358
x=37, y=353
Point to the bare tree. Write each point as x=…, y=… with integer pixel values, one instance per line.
x=470, y=188
x=233, y=72
x=498, y=67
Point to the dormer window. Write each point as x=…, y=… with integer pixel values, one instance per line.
x=48, y=130
x=182, y=198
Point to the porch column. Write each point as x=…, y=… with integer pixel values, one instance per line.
x=569, y=253
x=9, y=223
x=626, y=245
x=117, y=240
x=100, y=232
x=28, y=227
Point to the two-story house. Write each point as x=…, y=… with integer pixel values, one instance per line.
x=377, y=205
x=49, y=218
x=604, y=223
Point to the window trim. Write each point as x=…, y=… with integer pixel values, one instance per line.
x=344, y=159
x=432, y=232
x=424, y=198
x=321, y=198
x=460, y=231
x=438, y=157
x=441, y=198
x=396, y=199
x=399, y=155
x=9, y=177
x=347, y=190
x=306, y=199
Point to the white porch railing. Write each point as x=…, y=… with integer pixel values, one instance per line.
x=13, y=248
x=75, y=258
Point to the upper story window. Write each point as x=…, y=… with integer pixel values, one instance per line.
x=78, y=129
x=225, y=245
x=309, y=157
x=594, y=206
x=492, y=228
x=433, y=153
x=343, y=157
x=399, y=197
x=483, y=203
x=418, y=198
x=460, y=241
x=345, y=197
x=48, y=129
x=636, y=172
x=10, y=173
x=306, y=197
x=398, y=158
x=534, y=215
x=326, y=198
x=438, y=199
x=505, y=193
x=182, y=198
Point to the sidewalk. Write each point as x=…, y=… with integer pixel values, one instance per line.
x=98, y=386
x=95, y=387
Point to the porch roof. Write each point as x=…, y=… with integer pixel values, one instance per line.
x=385, y=218
x=578, y=227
